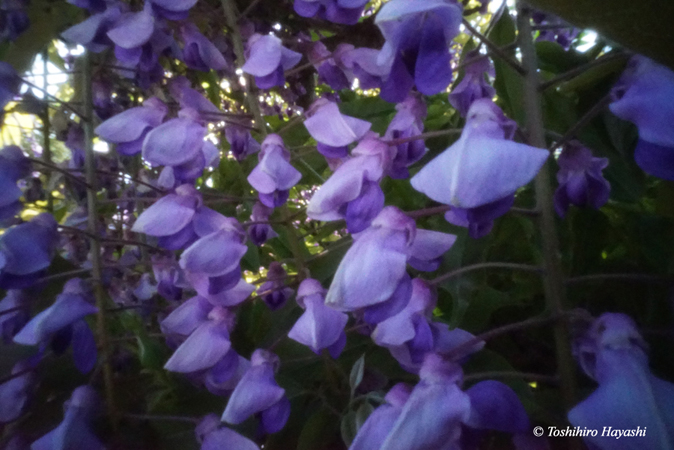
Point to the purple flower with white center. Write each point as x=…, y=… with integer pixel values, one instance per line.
x=75, y=431
x=330, y=66
x=206, y=345
x=12, y=322
x=26, y=251
x=13, y=18
x=418, y=35
x=346, y=12
x=372, y=275
x=9, y=83
x=267, y=59
x=213, y=437
x=644, y=95
x=172, y=9
x=474, y=85
x=13, y=166
x=15, y=393
x=320, y=326
x=92, y=32
x=332, y=130
x=353, y=192
x=433, y=414
x=483, y=166
x=613, y=353
x=273, y=291
x=407, y=123
x=274, y=175
x=480, y=220
x=258, y=392
x=580, y=178
x=241, y=142
x=260, y=233
x=379, y=424
x=62, y=324
x=129, y=128
x=199, y=53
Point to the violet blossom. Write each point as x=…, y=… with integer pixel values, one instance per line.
x=12, y=322
x=474, y=84
x=92, y=32
x=26, y=251
x=172, y=9
x=75, y=431
x=199, y=52
x=644, y=95
x=273, y=291
x=241, y=142
x=407, y=123
x=480, y=220
x=258, y=393
x=338, y=11
x=267, y=59
x=62, y=324
x=613, y=353
x=564, y=34
x=372, y=275
x=213, y=437
x=274, y=175
x=320, y=326
x=330, y=66
x=418, y=36
x=259, y=233
x=13, y=166
x=332, y=130
x=129, y=128
x=481, y=169
x=353, y=192
x=16, y=392
x=580, y=178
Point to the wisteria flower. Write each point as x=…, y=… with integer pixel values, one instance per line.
x=199, y=53
x=580, y=178
x=474, y=84
x=330, y=66
x=26, y=250
x=332, y=130
x=418, y=35
x=258, y=392
x=213, y=437
x=13, y=166
x=353, y=192
x=62, y=324
x=172, y=9
x=75, y=431
x=132, y=30
x=259, y=233
x=644, y=95
x=273, y=291
x=92, y=32
x=129, y=128
x=15, y=393
x=480, y=220
x=613, y=353
x=241, y=142
x=320, y=326
x=563, y=35
x=267, y=59
x=339, y=11
x=274, y=175
x=482, y=166
x=407, y=123
x=170, y=277
x=187, y=97
x=13, y=314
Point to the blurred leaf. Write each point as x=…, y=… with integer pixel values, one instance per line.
x=356, y=375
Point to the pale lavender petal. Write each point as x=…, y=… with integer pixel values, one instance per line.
x=264, y=55
x=203, y=349
x=84, y=347
x=226, y=439
x=320, y=326
x=174, y=142
x=330, y=127
x=167, y=216
x=187, y=317
x=132, y=29
x=215, y=254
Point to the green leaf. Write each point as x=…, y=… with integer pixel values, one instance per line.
x=356, y=375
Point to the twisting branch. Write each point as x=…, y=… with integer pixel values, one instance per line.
x=587, y=117
x=97, y=270
x=69, y=106
x=161, y=418
x=486, y=265
x=553, y=280
x=582, y=68
x=55, y=168
x=427, y=135
x=550, y=379
x=495, y=49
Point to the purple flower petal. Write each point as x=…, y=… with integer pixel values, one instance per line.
x=495, y=406
x=84, y=347
x=174, y=142
x=433, y=72
x=203, y=349
x=132, y=29
x=328, y=126
x=215, y=254
x=226, y=439
x=655, y=159
x=167, y=216
x=130, y=125
x=319, y=327
x=187, y=317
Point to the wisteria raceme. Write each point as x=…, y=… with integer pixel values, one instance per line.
x=580, y=178
x=643, y=96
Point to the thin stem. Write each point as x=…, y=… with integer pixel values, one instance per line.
x=551, y=379
x=581, y=69
x=46, y=141
x=495, y=49
x=587, y=117
x=56, y=99
x=97, y=271
x=427, y=135
x=295, y=244
x=553, y=280
x=432, y=211
x=229, y=6
x=249, y=8
x=15, y=375
x=486, y=265
x=475, y=59
x=56, y=168
x=161, y=418
x=637, y=277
